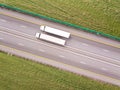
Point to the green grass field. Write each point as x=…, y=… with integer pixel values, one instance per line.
x=20, y=74
x=100, y=15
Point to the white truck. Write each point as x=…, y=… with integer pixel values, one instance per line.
x=55, y=31
x=50, y=38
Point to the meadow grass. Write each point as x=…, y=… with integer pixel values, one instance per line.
x=21, y=74
x=100, y=15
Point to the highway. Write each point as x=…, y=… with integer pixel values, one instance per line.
x=78, y=52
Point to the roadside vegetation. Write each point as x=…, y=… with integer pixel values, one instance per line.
x=100, y=15
x=21, y=74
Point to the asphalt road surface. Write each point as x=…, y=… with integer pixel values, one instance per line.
x=78, y=52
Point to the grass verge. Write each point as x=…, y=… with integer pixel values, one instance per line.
x=100, y=15
x=20, y=74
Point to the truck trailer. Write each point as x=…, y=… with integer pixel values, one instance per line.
x=50, y=38
x=55, y=31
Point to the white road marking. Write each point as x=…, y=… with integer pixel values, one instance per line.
x=82, y=62
x=104, y=69
x=15, y=31
x=3, y=20
x=105, y=50
x=23, y=26
x=106, y=62
x=61, y=56
x=100, y=60
x=1, y=38
x=85, y=44
x=41, y=50
x=20, y=44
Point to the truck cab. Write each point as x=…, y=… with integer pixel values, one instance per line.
x=37, y=35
